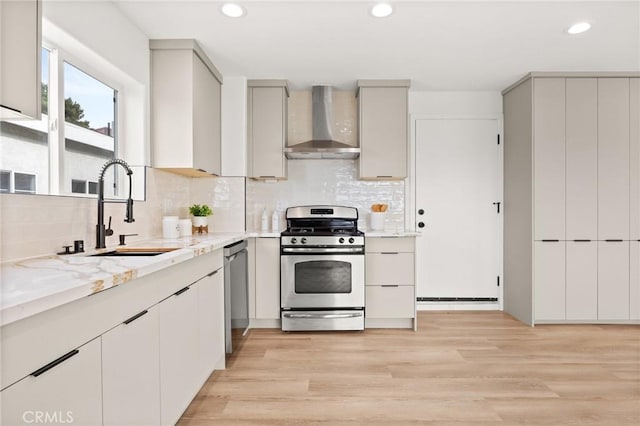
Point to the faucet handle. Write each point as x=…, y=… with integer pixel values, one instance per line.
x=108, y=232
x=121, y=237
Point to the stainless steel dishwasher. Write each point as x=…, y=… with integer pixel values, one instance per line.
x=236, y=292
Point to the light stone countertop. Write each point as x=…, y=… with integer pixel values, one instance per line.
x=391, y=234
x=35, y=285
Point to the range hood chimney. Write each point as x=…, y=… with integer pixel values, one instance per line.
x=322, y=144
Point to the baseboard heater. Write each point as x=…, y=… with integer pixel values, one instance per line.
x=457, y=299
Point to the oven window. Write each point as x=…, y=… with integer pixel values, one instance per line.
x=322, y=276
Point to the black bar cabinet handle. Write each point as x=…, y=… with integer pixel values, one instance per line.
x=613, y=241
x=179, y=292
x=135, y=317
x=12, y=109
x=389, y=252
x=550, y=241
x=54, y=363
x=581, y=241
x=390, y=285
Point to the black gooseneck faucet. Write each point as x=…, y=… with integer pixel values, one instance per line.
x=101, y=232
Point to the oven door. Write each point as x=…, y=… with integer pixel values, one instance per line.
x=322, y=281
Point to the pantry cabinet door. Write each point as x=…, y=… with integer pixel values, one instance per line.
x=582, y=158
x=549, y=158
x=582, y=280
x=634, y=149
x=613, y=158
x=549, y=281
x=613, y=280
x=634, y=281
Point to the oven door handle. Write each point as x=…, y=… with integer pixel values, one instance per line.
x=332, y=250
x=322, y=316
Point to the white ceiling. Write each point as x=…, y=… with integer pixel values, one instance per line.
x=443, y=45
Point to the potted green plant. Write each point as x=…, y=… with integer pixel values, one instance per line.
x=200, y=213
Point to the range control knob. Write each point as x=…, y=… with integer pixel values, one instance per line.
x=341, y=240
x=351, y=240
x=294, y=240
x=303, y=240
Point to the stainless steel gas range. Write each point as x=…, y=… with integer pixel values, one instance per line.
x=322, y=269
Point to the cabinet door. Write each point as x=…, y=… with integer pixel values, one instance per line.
x=68, y=392
x=634, y=280
x=179, y=357
x=389, y=301
x=613, y=280
x=130, y=371
x=267, y=278
x=206, y=118
x=549, y=280
x=267, y=131
x=383, y=132
x=211, y=322
x=20, y=46
x=389, y=268
x=582, y=280
x=549, y=158
x=582, y=158
x=613, y=158
x=634, y=149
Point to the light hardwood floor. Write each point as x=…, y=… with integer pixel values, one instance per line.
x=458, y=368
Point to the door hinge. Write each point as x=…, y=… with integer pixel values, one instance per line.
x=498, y=139
x=498, y=277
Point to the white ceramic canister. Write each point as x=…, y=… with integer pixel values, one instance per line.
x=170, y=227
x=185, y=227
x=377, y=221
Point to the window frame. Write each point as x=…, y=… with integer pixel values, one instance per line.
x=58, y=55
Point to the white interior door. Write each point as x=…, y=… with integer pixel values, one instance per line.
x=457, y=168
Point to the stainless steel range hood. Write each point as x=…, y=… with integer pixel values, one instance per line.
x=322, y=144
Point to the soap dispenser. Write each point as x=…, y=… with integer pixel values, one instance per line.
x=275, y=221
x=264, y=227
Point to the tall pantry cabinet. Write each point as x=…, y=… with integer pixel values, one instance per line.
x=572, y=197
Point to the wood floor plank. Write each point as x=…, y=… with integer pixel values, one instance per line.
x=459, y=368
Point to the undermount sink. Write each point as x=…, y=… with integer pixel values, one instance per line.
x=135, y=251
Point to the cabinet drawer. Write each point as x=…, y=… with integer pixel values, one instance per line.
x=379, y=245
x=389, y=302
x=389, y=268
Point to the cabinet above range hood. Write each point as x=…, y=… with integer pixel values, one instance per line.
x=322, y=144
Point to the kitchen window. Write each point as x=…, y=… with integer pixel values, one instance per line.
x=75, y=136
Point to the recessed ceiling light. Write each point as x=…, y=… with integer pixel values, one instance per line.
x=232, y=10
x=578, y=28
x=381, y=10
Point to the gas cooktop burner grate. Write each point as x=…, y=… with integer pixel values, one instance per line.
x=302, y=230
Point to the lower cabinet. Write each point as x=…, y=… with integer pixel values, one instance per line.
x=613, y=280
x=390, y=300
x=549, y=282
x=67, y=390
x=130, y=365
x=179, y=360
x=267, y=278
x=211, y=322
x=582, y=280
x=634, y=280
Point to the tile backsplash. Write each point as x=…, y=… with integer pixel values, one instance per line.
x=333, y=182
x=37, y=225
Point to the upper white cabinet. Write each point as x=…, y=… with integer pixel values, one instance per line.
x=581, y=159
x=20, y=46
x=185, y=109
x=267, y=102
x=613, y=158
x=68, y=390
x=383, y=128
x=549, y=157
